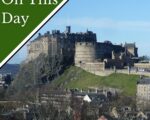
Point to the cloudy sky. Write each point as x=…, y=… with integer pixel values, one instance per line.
x=119, y=21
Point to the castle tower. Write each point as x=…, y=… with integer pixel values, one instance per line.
x=84, y=52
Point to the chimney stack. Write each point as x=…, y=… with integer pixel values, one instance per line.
x=68, y=29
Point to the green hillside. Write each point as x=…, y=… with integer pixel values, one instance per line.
x=75, y=77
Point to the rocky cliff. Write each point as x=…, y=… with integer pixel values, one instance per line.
x=42, y=70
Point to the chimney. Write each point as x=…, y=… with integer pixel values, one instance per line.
x=68, y=29
x=96, y=90
x=48, y=32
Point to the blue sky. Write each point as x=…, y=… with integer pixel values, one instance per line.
x=119, y=21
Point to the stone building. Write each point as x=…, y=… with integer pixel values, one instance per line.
x=82, y=49
x=105, y=49
x=105, y=54
x=60, y=99
x=58, y=43
x=143, y=93
x=142, y=66
x=52, y=44
x=131, y=49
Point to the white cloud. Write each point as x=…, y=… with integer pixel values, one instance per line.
x=106, y=24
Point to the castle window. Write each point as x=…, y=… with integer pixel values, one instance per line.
x=80, y=62
x=80, y=43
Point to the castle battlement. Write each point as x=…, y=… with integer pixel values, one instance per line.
x=85, y=43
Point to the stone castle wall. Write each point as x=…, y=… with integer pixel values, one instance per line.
x=142, y=65
x=103, y=50
x=55, y=44
x=37, y=47
x=93, y=67
x=84, y=52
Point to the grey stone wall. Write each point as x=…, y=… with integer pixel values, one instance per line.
x=93, y=67
x=35, y=48
x=84, y=52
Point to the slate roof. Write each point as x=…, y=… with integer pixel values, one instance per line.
x=144, y=81
x=95, y=97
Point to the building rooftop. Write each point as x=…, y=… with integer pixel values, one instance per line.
x=144, y=81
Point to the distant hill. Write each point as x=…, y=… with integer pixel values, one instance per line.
x=10, y=68
x=75, y=77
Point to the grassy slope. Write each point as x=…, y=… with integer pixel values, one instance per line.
x=77, y=78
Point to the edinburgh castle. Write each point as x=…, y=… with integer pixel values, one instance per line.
x=83, y=50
